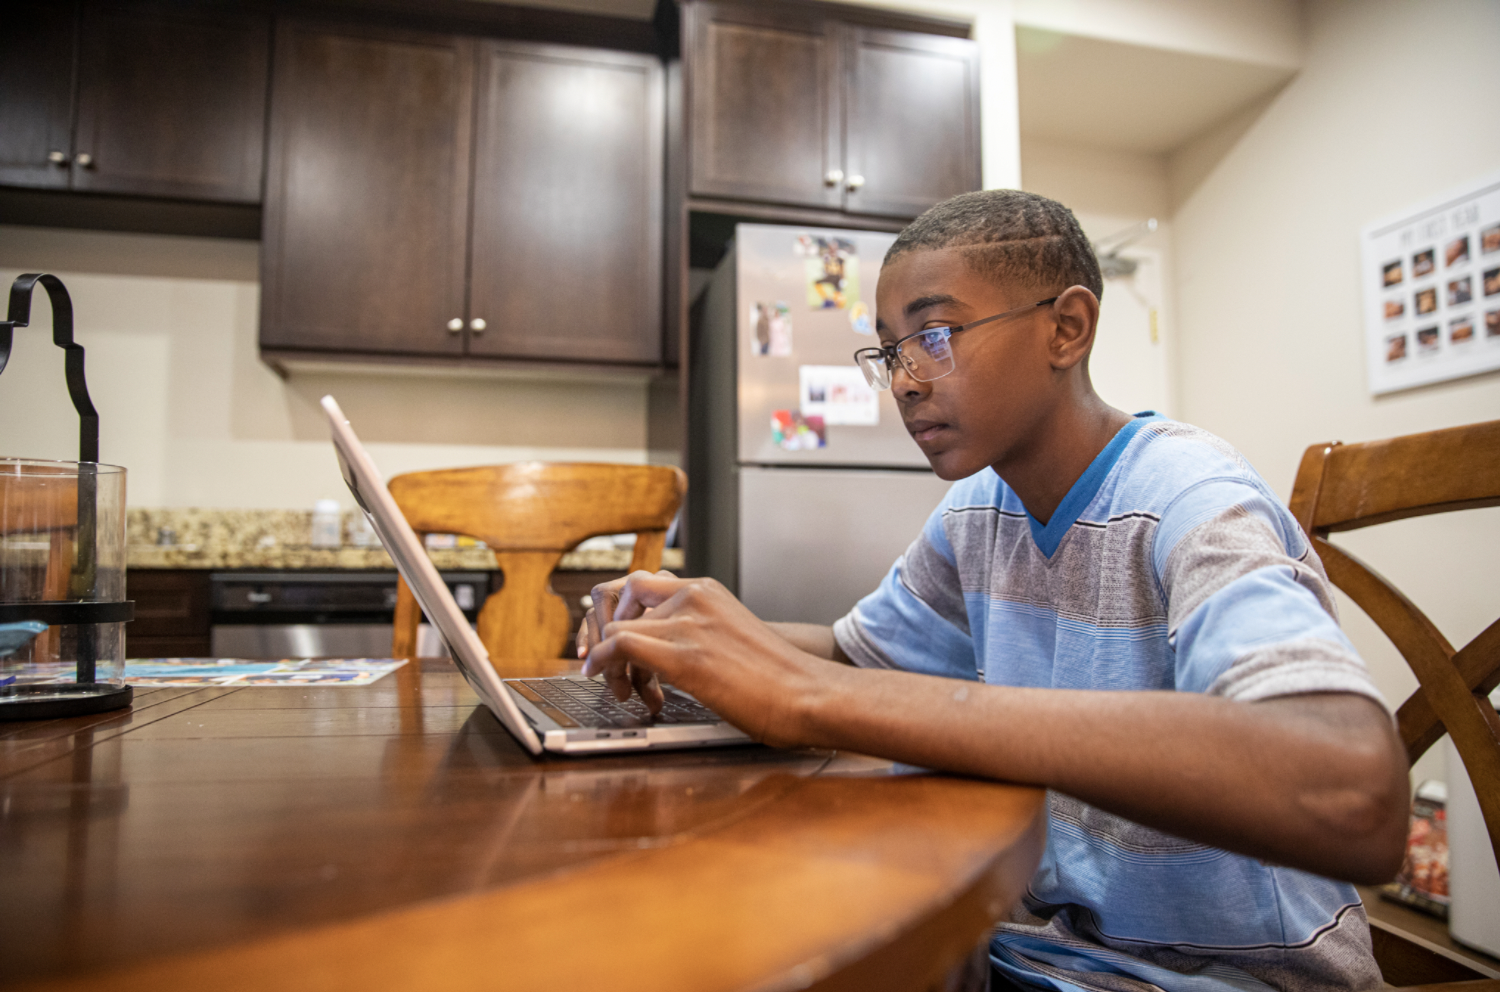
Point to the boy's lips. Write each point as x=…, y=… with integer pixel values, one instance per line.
x=925, y=430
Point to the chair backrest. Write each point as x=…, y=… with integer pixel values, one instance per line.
x=32, y=505
x=1347, y=486
x=35, y=504
x=530, y=514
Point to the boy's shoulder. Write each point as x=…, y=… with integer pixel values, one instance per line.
x=1162, y=460
x=1184, y=477
x=1167, y=458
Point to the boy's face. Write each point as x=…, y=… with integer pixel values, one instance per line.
x=1002, y=383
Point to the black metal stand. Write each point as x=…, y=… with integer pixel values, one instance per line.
x=84, y=695
x=53, y=702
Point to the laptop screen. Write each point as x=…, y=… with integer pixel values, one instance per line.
x=369, y=491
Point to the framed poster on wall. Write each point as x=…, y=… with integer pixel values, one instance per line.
x=1431, y=278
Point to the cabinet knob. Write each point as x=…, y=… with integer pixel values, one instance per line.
x=855, y=182
x=477, y=325
x=84, y=160
x=455, y=325
x=58, y=158
x=833, y=177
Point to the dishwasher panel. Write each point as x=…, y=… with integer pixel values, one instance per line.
x=321, y=614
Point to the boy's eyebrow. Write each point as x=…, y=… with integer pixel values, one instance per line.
x=928, y=302
x=923, y=303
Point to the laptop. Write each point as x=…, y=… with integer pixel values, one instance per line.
x=562, y=714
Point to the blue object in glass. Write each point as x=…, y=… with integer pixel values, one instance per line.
x=15, y=636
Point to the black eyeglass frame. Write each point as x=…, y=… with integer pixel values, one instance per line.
x=891, y=352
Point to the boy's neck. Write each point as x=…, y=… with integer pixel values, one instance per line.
x=1060, y=450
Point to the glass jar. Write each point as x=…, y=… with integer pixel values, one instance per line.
x=62, y=588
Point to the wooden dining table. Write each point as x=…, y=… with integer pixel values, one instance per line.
x=394, y=836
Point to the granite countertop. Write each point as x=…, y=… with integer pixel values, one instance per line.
x=280, y=539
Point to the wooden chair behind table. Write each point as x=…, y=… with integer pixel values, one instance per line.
x=1347, y=486
x=530, y=513
x=36, y=506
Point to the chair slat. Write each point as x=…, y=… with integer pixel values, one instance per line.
x=1478, y=665
x=649, y=544
x=1380, y=481
x=1469, y=718
x=1478, y=662
x=1422, y=645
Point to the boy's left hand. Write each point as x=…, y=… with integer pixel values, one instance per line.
x=604, y=600
x=703, y=640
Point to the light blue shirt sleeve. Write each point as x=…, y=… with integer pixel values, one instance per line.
x=1250, y=610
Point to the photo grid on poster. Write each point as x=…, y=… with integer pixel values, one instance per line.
x=1432, y=289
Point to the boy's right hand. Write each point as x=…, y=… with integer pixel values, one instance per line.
x=605, y=598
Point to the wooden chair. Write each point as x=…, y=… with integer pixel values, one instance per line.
x=1347, y=486
x=530, y=513
x=39, y=505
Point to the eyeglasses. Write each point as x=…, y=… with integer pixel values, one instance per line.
x=925, y=355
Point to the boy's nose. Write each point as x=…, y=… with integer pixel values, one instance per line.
x=905, y=387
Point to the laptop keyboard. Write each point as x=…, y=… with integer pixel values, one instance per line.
x=591, y=704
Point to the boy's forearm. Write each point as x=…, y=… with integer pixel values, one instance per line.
x=815, y=639
x=1315, y=782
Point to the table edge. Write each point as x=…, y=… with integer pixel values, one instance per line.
x=408, y=947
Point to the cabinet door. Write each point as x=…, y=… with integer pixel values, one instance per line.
x=171, y=102
x=763, y=103
x=171, y=613
x=367, y=187
x=567, y=222
x=36, y=93
x=912, y=132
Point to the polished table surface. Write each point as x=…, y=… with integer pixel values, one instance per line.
x=395, y=836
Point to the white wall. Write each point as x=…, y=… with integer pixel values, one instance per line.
x=169, y=326
x=1395, y=101
x=1109, y=191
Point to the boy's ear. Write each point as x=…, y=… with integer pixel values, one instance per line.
x=1076, y=315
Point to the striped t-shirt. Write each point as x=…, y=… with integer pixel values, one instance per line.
x=1170, y=565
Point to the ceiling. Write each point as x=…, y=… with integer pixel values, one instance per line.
x=1087, y=91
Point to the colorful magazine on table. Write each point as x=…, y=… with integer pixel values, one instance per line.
x=226, y=672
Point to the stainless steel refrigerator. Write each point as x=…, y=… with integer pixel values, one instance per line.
x=804, y=486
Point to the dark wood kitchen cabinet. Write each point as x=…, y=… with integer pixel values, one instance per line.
x=161, y=100
x=911, y=120
x=440, y=196
x=36, y=80
x=567, y=210
x=367, y=190
x=765, y=103
x=808, y=105
x=171, y=613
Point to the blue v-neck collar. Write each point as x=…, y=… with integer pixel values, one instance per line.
x=1050, y=535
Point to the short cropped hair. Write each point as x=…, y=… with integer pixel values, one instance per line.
x=1012, y=236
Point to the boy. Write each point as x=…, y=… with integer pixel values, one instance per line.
x=1081, y=552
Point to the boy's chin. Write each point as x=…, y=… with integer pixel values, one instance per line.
x=950, y=466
